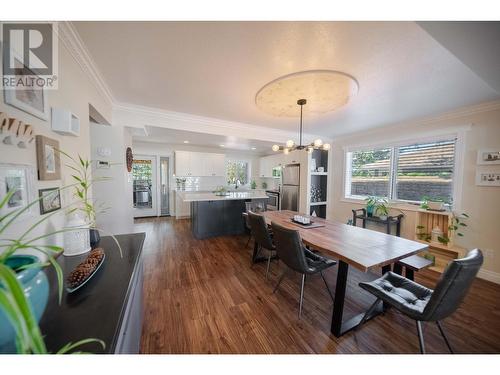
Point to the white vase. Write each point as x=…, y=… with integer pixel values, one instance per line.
x=76, y=241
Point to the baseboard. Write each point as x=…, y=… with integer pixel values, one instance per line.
x=494, y=277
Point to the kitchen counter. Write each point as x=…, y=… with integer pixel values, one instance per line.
x=108, y=306
x=213, y=215
x=208, y=196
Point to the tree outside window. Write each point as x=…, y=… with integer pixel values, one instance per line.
x=237, y=170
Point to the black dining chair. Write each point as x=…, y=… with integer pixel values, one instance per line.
x=296, y=256
x=254, y=206
x=423, y=304
x=262, y=237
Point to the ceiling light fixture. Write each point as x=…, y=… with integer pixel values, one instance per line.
x=291, y=146
x=186, y=141
x=254, y=148
x=222, y=146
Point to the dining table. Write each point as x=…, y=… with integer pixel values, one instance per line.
x=364, y=249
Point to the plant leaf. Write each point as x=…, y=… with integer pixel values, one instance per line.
x=70, y=346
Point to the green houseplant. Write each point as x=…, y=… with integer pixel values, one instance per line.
x=456, y=226
x=371, y=201
x=19, y=310
x=381, y=208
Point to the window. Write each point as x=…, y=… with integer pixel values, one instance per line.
x=407, y=172
x=237, y=170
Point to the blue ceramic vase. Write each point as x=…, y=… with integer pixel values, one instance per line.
x=36, y=289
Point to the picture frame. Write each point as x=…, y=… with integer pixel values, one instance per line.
x=19, y=177
x=488, y=178
x=488, y=156
x=50, y=200
x=48, y=158
x=29, y=100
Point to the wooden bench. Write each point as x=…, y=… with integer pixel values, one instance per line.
x=411, y=264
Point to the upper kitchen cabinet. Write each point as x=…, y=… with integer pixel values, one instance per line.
x=199, y=164
x=214, y=164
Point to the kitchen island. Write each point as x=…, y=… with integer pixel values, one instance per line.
x=215, y=215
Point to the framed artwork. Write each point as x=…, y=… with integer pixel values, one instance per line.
x=48, y=158
x=19, y=179
x=50, y=200
x=487, y=178
x=30, y=100
x=488, y=157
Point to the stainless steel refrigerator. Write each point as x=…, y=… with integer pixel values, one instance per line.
x=290, y=187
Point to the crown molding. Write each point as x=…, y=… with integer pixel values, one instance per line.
x=140, y=116
x=76, y=47
x=456, y=114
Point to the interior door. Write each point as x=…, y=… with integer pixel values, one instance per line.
x=164, y=187
x=144, y=186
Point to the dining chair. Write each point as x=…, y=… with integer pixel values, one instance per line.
x=255, y=206
x=262, y=237
x=423, y=304
x=296, y=256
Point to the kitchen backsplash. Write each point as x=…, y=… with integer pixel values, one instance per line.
x=211, y=183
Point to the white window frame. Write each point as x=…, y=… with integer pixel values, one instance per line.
x=459, y=136
x=249, y=169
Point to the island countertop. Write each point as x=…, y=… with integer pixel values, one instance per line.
x=208, y=196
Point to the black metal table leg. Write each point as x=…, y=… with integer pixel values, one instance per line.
x=339, y=327
x=338, y=303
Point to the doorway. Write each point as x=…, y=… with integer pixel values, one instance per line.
x=144, y=186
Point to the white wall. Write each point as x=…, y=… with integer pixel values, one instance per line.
x=75, y=92
x=481, y=203
x=116, y=194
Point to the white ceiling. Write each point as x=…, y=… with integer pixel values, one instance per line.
x=178, y=137
x=214, y=69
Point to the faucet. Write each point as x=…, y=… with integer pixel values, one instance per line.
x=237, y=183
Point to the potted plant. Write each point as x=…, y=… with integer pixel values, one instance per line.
x=24, y=285
x=371, y=202
x=83, y=180
x=253, y=185
x=381, y=209
x=433, y=204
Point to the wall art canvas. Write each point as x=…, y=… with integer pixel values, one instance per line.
x=50, y=200
x=48, y=158
x=28, y=99
x=19, y=179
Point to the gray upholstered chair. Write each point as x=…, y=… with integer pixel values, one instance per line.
x=421, y=303
x=297, y=257
x=262, y=237
x=256, y=207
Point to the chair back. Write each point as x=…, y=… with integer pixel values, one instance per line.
x=453, y=286
x=255, y=206
x=289, y=247
x=259, y=230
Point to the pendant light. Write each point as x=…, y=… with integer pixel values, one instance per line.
x=290, y=144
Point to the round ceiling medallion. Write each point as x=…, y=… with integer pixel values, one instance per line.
x=325, y=91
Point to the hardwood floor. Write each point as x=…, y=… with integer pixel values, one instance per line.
x=203, y=296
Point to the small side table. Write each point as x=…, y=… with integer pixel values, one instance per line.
x=391, y=220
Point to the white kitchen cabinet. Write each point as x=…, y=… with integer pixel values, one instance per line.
x=213, y=164
x=199, y=164
x=182, y=163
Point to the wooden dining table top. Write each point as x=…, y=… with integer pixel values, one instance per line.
x=362, y=248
